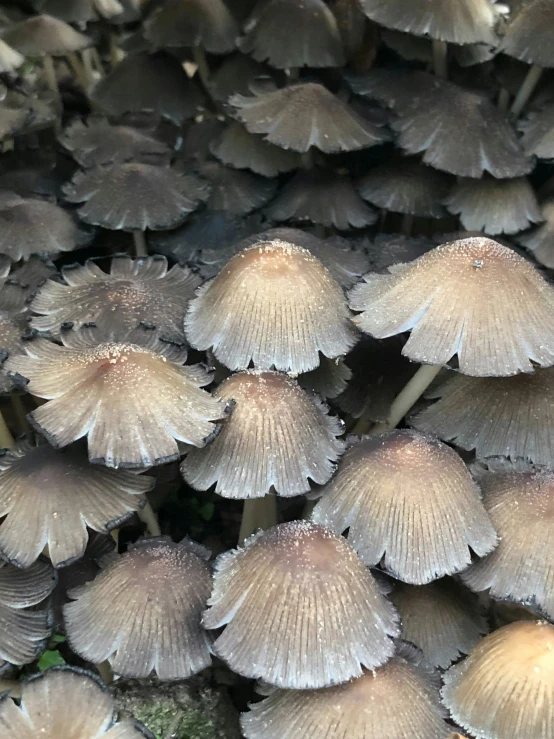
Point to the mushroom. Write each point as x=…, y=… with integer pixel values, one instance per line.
x=385, y=250
x=503, y=689
x=236, y=192
x=300, y=610
x=96, y=389
x=143, y=611
x=236, y=74
x=10, y=59
x=539, y=240
x=328, y=380
x=136, y=292
x=538, y=132
x=22, y=283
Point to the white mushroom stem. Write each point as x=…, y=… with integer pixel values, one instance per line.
x=202, y=65
x=440, y=58
x=105, y=672
x=6, y=439
x=141, y=249
x=258, y=513
x=79, y=71
x=526, y=89
x=148, y=517
x=51, y=78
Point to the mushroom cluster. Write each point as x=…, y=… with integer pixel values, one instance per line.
x=277, y=369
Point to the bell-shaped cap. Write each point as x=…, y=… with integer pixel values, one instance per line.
x=458, y=300
x=234, y=191
x=43, y=35
x=246, y=461
x=274, y=305
x=538, y=132
x=133, y=402
x=540, y=240
x=238, y=148
x=529, y=33
x=300, y=610
x=401, y=493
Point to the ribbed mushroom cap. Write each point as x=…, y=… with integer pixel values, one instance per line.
x=540, y=241
x=143, y=611
x=440, y=618
x=65, y=703
x=12, y=330
x=322, y=197
x=43, y=35
x=234, y=191
x=538, y=133
x=529, y=33
x=29, y=226
x=133, y=403
x=405, y=185
x=459, y=131
x=205, y=23
x=399, y=700
x=23, y=282
x=411, y=48
x=238, y=148
x=97, y=142
x=494, y=206
x=455, y=21
x=24, y=632
x=497, y=416
x=457, y=300
x=236, y=74
x=304, y=115
x=50, y=498
x=10, y=59
x=505, y=688
x=328, y=380
x=277, y=439
x=388, y=249
x=72, y=11
x=274, y=305
x=401, y=493
x=153, y=82
x=136, y=292
x=393, y=88
x=288, y=34
x=134, y=196
x=300, y=609
x=521, y=507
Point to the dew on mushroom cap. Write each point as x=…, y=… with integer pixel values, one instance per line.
x=300, y=610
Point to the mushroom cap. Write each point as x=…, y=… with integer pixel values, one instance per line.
x=401, y=493
x=136, y=292
x=30, y=226
x=304, y=115
x=440, y=618
x=153, y=82
x=528, y=36
x=26, y=277
x=457, y=300
x=65, y=703
x=454, y=21
x=50, y=498
x=236, y=74
x=43, y=35
x=238, y=148
x=404, y=185
x=409, y=47
x=300, y=609
x=288, y=34
x=12, y=330
x=504, y=689
x=274, y=305
x=143, y=611
x=73, y=11
x=95, y=142
x=135, y=196
x=234, y=191
x=540, y=240
x=10, y=59
x=521, y=508
x=204, y=23
x=538, y=132
x=398, y=700
x=97, y=390
x=322, y=197
x=277, y=439
x=393, y=88
x=494, y=206
x=328, y=380
x=386, y=250
x=496, y=416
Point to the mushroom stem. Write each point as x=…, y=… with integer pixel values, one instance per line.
x=408, y=396
x=6, y=439
x=148, y=517
x=293, y=74
x=407, y=224
x=503, y=100
x=79, y=71
x=51, y=78
x=141, y=248
x=105, y=672
x=258, y=513
x=20, y=414
x=115, y=51
x=440, y=58
x=201, y=62
x=308, y=158
x=526, y=89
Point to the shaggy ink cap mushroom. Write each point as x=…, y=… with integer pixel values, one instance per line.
x=136, y=292
x=404, y=492
x=133, y=402
x=540, y=240
x=300, y=609
x=273, y=305
x=143, y=611
x=495, y=416
x=289, y=34
x=458, y=300
x=504, y=688
x=306, y=115
x=234, y=191
x=52, y=498
x=43, y=35
x=399, y=700
x=134, y=196
x=277, y=439
x=441, y=618
x=64, y=703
